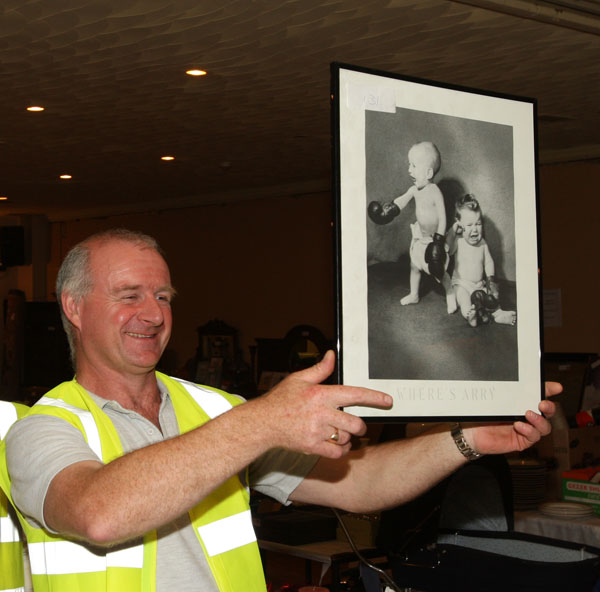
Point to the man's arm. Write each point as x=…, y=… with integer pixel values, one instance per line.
x=140, y=491
x=390, y=474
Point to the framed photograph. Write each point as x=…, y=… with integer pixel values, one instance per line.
x=437, y=260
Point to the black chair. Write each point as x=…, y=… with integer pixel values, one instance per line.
x=459, y=536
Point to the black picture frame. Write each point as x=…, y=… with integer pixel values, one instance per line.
x=436, y=365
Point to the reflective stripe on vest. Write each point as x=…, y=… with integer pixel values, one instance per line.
x=209, y=401
x=11, y=547
x=66, y=557
x=9, y=532
x=223, y=535
x=8, y=416
x=228, y=533
x=8, y=529
x=86, y=418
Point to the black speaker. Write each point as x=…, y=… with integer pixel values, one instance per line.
x=46, y=359
x=12, y=246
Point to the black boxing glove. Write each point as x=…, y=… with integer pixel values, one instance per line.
x=435, y=256
x=382, y=213
x=484, y=304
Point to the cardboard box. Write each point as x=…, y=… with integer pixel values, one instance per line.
x=296, y=527
x=583, y=447
x=363, y=528
x=582, y=485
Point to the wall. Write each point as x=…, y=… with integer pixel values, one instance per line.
x=570, y=214
x=265, y=266
x=261, y=266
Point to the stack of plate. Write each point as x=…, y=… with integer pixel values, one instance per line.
x=528, y=482
x=567, y=510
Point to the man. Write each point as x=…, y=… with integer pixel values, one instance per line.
x=126, y=479
x=12, y=576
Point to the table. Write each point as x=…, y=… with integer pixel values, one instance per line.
x=331, y=554
x=585, y=531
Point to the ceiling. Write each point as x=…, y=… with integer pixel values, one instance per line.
x=111, y=76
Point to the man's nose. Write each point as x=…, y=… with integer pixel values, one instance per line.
x=151, y=311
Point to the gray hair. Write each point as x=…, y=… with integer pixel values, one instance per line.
x=75, y=278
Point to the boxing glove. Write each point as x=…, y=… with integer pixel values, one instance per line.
x=382, y=213
x=435, y=256
x=479, y=300
x=484, y=304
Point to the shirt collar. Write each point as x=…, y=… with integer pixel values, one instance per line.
x=112, y=404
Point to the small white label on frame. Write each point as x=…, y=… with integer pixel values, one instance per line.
x=370, y=98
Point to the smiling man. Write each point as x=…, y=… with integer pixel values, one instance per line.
x=126, y=479
x=121, y=325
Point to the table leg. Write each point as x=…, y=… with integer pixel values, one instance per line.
x=335, y=576
x=308, y=571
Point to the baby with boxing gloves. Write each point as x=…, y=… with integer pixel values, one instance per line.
x=473, y=280
x=428, y=250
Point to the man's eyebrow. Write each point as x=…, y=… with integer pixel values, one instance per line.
x=132, y=287
x=126, y=287
x=170, y=289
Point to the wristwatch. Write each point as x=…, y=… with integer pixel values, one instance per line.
x=462, y=444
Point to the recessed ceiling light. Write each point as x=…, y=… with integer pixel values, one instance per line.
x=196, y=72
x=167, y=158
x=35, y=108
x=66, y=177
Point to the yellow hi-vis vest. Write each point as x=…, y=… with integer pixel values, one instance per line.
x=12, y=578
x=221, y=521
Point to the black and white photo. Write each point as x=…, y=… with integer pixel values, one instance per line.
x=438, y=288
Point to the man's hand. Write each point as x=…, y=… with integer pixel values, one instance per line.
x=302, y=414
x=500, y=439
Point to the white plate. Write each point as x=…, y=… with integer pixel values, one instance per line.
x=566, y=509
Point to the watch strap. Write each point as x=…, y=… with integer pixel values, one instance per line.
x=462, y=444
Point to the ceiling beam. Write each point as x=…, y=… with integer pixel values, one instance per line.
x=581, y=15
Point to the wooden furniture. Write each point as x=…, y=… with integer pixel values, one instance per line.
x=330, y=554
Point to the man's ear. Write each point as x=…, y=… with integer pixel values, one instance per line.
x=70, y=307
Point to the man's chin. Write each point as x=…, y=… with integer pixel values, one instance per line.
x=146, y=362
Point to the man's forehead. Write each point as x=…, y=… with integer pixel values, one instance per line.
x=123, y=258
x=119, y=249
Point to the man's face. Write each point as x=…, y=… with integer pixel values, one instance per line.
x=125, y=320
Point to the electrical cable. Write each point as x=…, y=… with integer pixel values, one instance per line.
x=365, y=561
